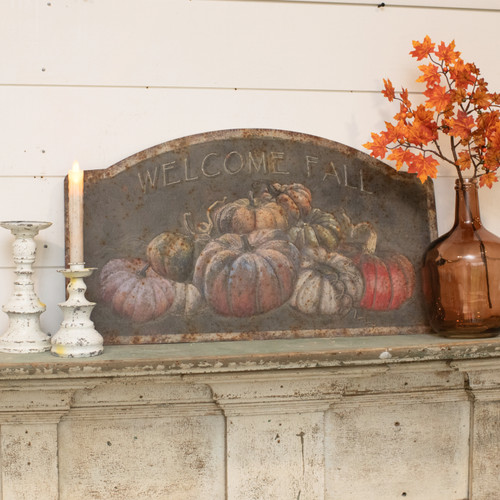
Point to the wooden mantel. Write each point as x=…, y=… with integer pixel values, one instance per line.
x=382, y=417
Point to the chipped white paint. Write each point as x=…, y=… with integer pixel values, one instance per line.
x=77, y=336
x=135, y=423
x=24, y=333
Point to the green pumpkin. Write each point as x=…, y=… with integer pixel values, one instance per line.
x=318, y=230
x=171, y=255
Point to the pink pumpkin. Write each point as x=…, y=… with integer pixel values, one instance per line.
x=133, y=290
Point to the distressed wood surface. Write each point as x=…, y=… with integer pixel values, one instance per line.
x=316, y=419
x=336, y=407
x=250, y=356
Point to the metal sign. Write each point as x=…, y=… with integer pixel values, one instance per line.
x=255, y=234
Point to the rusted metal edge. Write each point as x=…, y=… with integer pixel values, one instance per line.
x=241, y=356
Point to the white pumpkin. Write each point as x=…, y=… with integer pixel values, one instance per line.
x=329, y=283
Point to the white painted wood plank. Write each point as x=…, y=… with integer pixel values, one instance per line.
x=436, y=4
x=101, y=126
x=229, y=44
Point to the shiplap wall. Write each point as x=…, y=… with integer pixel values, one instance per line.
x=99, y=80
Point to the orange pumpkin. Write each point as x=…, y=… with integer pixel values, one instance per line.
x=294, y=198
x=249, y=214
x=134, y=290
x=246, y=275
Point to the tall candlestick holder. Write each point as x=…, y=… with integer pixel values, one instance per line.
x=24, y=334
x=77, y=336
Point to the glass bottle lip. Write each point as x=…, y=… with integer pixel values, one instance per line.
x=466, y=183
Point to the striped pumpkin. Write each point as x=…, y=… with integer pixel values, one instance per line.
x=246, y=275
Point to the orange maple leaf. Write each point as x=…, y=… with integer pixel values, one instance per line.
x=464, y=161
x=401, y=156
x=425, y=115
x=488, y=122
x=494, y=135
x=430, y=75
x=461, y=126
x=395, y=133
x=422, y=49
x=488, y=179
x=492, y=159
x=404, y=97
x=421, y=133
x=458, y=95
x=438, y=98
x=424, y=166
x=388, y=91
x=481, y=98
x=462, y=74
x=378, y=146
x=447, y=53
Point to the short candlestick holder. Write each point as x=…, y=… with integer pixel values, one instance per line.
x=77, y=336
x=24, y=334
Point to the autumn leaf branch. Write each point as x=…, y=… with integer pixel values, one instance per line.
x=458, y=105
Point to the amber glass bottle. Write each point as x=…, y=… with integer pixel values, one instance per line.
x=461, y=273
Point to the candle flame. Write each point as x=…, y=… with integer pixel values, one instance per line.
x=76, y=166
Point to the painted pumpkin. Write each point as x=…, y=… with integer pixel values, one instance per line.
x=294, y=198
x=328, y=283
x=134, y=290
x=171, y=255
x=389, y=280
x=249, y=214
x=188, y=300
x=246, y=275
x=318, y=229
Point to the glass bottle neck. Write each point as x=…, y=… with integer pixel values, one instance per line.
x=467, y=204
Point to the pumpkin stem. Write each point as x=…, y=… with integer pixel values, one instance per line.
x=272, y=190
x=202, y=227
x=246, y=244
x=251, y=197
x=142, y=272
x=366, y=235
x=208, y=226
x=188, y=223
x=269, y=187
x=258, y=185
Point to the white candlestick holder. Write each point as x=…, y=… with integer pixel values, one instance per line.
x=77, y=336
x=24, y=308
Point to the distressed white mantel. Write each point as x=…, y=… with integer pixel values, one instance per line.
x=393, y=417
